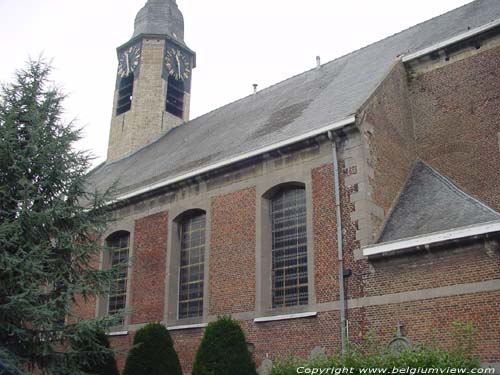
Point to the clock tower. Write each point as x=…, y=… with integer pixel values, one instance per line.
x=153, y=79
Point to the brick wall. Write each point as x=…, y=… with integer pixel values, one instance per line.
x=186, y=344
x=232, y=253
x=148, y=268
x=429, y=321
x=121, y=345
x=444, y=265
x=388, y=129
x=325, y=235
x=457, y=122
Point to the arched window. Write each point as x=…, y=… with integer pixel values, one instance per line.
x=175, y=97
x=118, y=244
x=289, y=247
x=125, y=92
x=192, y=262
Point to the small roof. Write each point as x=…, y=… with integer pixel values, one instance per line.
x=431, y=203
x=291, y=108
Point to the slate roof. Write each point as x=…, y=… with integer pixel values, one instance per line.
x=431, y=203
x=308, y=101
x=161, y=17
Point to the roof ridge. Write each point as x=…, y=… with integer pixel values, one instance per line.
x=336, y=59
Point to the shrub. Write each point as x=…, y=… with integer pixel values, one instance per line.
x=358, y=357
x=223, y=350
x=153, y=353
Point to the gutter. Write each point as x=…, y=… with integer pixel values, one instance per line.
x=340, y=256
x=433, y=238
x=455, y=39
x=241, y=157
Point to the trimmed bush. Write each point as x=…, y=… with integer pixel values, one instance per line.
x=223, y=350
x=153, y=353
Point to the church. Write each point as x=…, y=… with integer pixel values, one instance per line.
x=360, y=196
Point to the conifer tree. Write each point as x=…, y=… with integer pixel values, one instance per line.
x=100, y=366
x=223, y=350
x=153, y=353
x=47, y=236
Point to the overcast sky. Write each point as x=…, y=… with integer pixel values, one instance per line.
x=238, y=43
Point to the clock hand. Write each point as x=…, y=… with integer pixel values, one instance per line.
x=178, y=66
x=128, y=63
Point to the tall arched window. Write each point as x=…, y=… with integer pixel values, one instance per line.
x=118, y=244
x=192, y=262
x=289, y=247
x=125, y=92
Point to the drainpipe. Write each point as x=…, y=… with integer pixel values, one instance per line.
x=336, y=182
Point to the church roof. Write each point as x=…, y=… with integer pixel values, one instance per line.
x=291, y=108
x=432, y=203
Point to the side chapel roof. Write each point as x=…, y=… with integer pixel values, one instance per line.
x=432, y=203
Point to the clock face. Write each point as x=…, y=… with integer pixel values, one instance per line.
x=128, y=61
x=178, y=64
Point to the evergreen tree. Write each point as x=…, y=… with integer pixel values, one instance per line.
x=153, y=353
x=47, y=237
x=104, y=366
x=223, y=350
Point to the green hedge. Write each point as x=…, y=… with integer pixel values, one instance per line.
x=223, y=350
x=367, y=355
x=153, y=353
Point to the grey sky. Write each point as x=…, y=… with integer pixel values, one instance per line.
x=238, y=43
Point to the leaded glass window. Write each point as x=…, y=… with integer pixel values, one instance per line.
x=192, y=266
x=118, y=244
x=289, y=248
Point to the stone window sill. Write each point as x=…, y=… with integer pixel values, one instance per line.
x=187, y=326
x=117, y=333
x=285, y=317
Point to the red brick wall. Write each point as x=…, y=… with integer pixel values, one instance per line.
x=122, y=345
x=392, y=151
x=438, y=267
x=430, y=320
x=186, y=344
x=297, y=337
x=325, y=235
x=232, y=253
x=148, y=268
x=457, y=122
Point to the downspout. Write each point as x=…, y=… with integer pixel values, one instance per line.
x=336, y=183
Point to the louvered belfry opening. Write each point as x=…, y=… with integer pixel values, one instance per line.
x=175, y=97
x=125, y=92
x=289, y=248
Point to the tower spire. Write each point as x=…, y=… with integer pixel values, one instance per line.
x=160, y=17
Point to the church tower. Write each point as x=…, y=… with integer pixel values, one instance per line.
x=153, y=82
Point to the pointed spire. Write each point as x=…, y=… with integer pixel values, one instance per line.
x=161, y=17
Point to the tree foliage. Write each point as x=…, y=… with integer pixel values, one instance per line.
x=99, y=366
x=223, y=350
x=47, y=236
x=153, y=353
